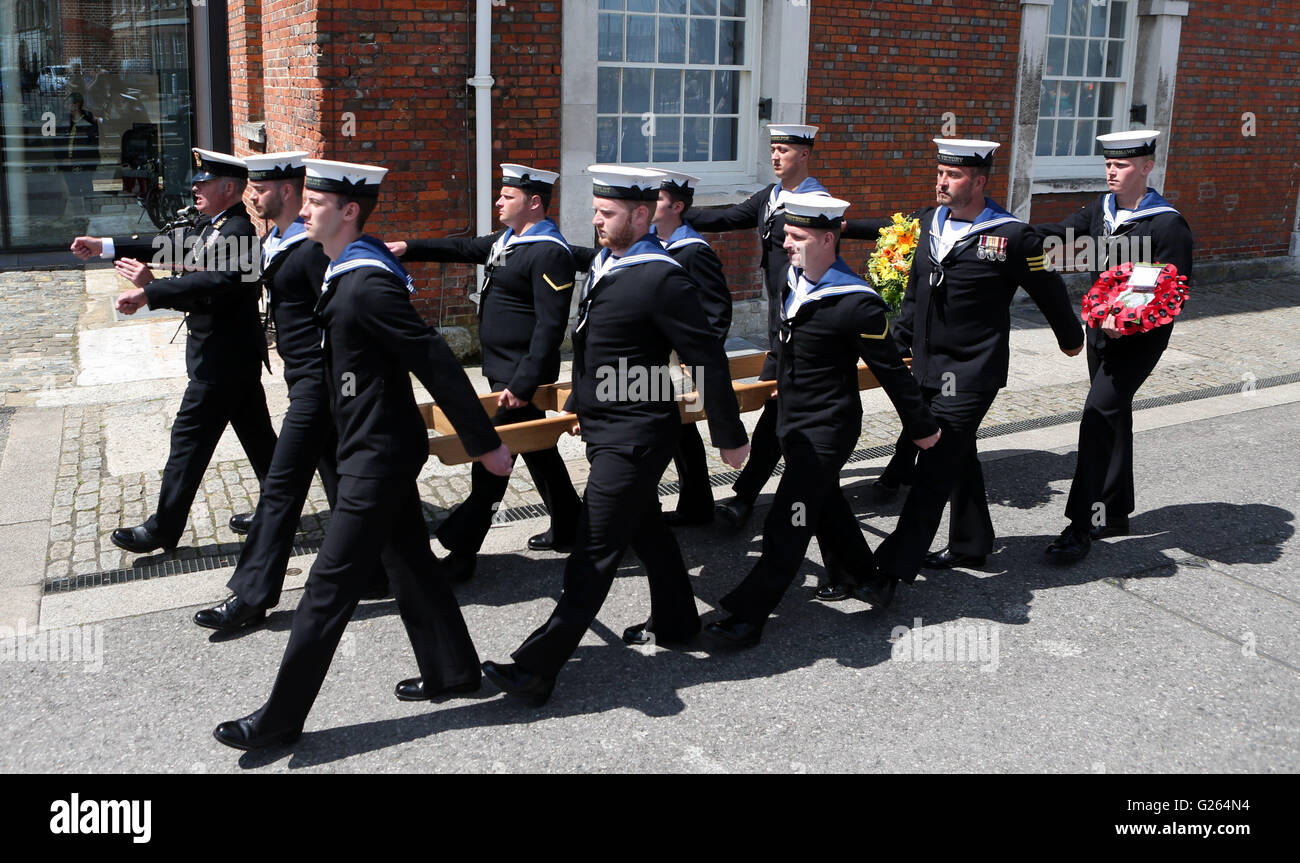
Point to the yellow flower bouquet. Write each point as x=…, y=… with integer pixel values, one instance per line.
x=890, y=263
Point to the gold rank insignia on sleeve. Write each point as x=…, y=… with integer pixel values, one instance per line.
x=880, y=335
x=555, y=286
x=1037, y=263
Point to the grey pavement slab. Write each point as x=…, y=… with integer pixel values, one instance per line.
x=1132, y=661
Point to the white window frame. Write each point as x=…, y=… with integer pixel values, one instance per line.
x=1048, y=168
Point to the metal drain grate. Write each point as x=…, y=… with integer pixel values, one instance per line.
x=523, y=513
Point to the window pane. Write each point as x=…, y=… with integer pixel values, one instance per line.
x=607, y=139
x=1095, y=52
x=697, y=92
x=1064, y=137
x=703, y=49
x=1098, y=24
x=1055, y=57
x=1069, y=99
x=732, y=7
x=640, y=5
x=640, y=38
x=668, y=91
x=724, y=140
x=725, y=98
x=1083, y=139
x=731, y=43
x=1106, y=106
x=610, y=39
x=668, y=140
x=1074, y=63
x=1103, y=128
x=1088, y=100
x=1078, y=17
x=611, y=4
x=1114, y=58
x=1118, y=18
x=673, y=6
x=1047, y=108
x=1044, y=145
x=672, y=40
x=607, y=91
x=635, y=145
x=695, y=139
x=704, y=7
x=636, y=91
x=1060, y=10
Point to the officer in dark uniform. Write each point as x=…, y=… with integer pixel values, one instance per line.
x=829, y=318
x=1124, y=225
x=971, y=255
x=374, y=339
x=693, y=252
x=523, y=310
x=638, y=305
x=791, y=148
x=225, y=348
x=293, y=268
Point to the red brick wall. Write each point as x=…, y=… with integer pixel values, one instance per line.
x=244, y=26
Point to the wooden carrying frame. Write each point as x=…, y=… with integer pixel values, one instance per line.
x=543, y=433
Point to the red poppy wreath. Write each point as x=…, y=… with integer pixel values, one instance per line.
x=1138, y=297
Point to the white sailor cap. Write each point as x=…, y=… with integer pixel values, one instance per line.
x=677, y=182
x=966, y=153
x=529, y=179
x=813, y=210
x=623, y=183
x=209, y=165
x=344, y=178
x=1123, y=145
x=785, y=133
x=276, y=166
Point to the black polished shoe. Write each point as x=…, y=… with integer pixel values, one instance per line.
x=137, y=539
x=241, y=523
x=885, y=490
x=548, y=542
x=734, y=512
x=524, y=685
x=247, y=735
x=688, y=518
x=1073, y=544
x=230, y=616
x=949, y=559
x=833, y=592
x=643, y=634
x=413, y=689
x=1118, y=527
x=878, y=593
x=735, y=632
x=457, y=567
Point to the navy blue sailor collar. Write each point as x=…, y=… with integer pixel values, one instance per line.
x=367, y=251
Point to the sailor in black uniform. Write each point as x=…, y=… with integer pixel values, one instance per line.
x=523, y=309
x=225, y=348
x=374, y=339
x=829, y=318
x=693, y=252
x=971, y=255
x=1131, y=223
x=637, y=305
x=293, y=268
x=791, y=150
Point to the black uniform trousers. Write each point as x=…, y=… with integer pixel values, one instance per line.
x=1104, y=472
x=696, y=495
x=808, y=501
x=467, y=525
x=764, y=453
x=901, y=469
x=947, y=473
x=206, y=409
x=375, y=518
x=620, y=508
x=308, y=442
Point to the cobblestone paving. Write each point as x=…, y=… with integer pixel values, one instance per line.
x=1238, y=333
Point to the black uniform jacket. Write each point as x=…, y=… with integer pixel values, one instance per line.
x=1170, y=236
x=525, y=304
x=225, y=342
x=373, y=338
x=293, y=275
x=956, y=314
x=636, y=309
x=701, y=263
x=826, y=328
x=764, y=211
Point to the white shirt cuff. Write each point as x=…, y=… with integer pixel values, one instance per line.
x=108, y=251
